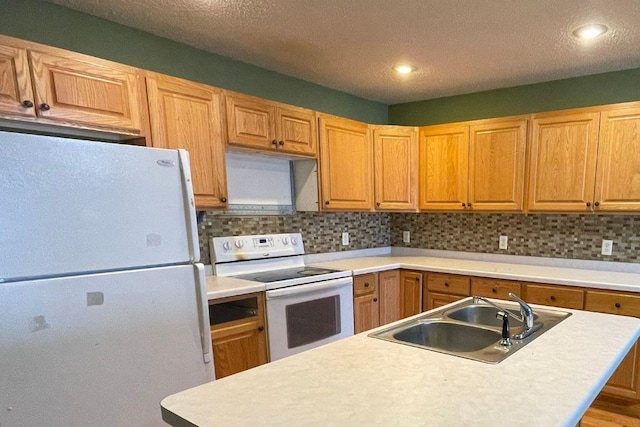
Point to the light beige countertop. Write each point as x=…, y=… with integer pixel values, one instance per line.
x=367, y=381
x=219, y=287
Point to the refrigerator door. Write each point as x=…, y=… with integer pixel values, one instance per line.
x=71, y=206
x=101, y=349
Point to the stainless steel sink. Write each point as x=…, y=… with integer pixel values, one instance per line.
x=468, y=330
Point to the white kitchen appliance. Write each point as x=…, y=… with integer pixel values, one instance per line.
x=306, y=306
x=103, y=309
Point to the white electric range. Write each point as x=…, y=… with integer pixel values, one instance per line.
x=306, y=306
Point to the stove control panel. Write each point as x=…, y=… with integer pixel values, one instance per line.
x=240, y=248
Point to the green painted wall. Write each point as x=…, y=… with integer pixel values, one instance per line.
x=598, y=89
x=58, y=26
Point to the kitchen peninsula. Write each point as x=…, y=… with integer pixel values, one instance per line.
x=366, y=381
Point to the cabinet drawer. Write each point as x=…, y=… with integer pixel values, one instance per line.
x=493, y=288
x=448, y=284
x=613, y=303
x=365, y=284
x=556, y=296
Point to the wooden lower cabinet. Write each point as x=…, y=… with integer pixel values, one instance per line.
x=376, y=299
x=238, y=333
x=366, y=307
x=495, y=288
x=410, y=293
x=625, y=381
x=441, y=289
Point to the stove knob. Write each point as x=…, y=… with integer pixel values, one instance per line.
x=226, y=246
x=285, y=241
x=294, y=241
x=239, y=243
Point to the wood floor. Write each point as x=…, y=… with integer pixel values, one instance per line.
x=595, y=417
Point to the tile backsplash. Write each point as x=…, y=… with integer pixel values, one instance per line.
x=321, y=232
x=574, y=236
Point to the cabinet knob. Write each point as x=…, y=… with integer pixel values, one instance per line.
x=326, y=203
x=366, y=285
x=377, y=203
x=280, y=142
x=469, y=205
x=552, y=297
x=446, y=284
x=588, y=204
x=274, y=142
x=27, y=104
x=260, y=328
x=494, y=290
x=223, y=199
x=464, y=205
x=375, y=300
x=618, y=305
x=596, y=204
x=45, y=107
x=417, y=279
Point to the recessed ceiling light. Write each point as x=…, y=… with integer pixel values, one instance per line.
x=592, y=31
x=404, y=68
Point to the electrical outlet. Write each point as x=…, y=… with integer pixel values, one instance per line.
x=345, y=239
x=406, y=236
x=504, y=242
x=607, y=247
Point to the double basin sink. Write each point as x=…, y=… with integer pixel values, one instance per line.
x=470, y=330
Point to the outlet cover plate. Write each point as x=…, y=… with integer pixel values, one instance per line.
x=406, y=236
x=504, y=242
x=607, y=247
x=345, y=239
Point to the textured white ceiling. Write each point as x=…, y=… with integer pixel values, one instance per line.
x=458, y=46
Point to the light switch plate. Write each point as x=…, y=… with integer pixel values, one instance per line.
x=345, y=239
x=607, y=247
x=504, y=242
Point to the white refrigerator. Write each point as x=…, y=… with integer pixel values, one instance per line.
x=103, y=308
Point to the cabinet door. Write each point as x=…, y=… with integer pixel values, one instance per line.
x=563, y=162
x=15, y=85
x=92, y=92
x=618, y=171
x=238, y=347
x=494, y=288
x=366, y=312
x=346, y=163
x=410, y=293
x=435, y=300
x=496, y=166
x=555, y=296
x=625, y=381
x=389, y=291
x=443, y=167
x=250, y=123
x=187, y=115
x=396, y=167
x=296, y=131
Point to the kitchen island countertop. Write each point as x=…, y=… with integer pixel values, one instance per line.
x=219, y=287
x=365, y=381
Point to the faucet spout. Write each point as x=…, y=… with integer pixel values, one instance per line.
x=526, y=315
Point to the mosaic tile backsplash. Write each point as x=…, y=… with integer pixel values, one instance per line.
x=321, y=232
x=560, y=236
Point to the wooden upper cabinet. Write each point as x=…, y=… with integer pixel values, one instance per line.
x=15, y=84
x=496, y=165
x=346, y=160
x=188, y=115
x=395, y=167
x=618, y=170
x=562, y=162
x=75, y=89
x=443, y=167
x=254, y=123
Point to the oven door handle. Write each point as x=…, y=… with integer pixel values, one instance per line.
x=310, y=287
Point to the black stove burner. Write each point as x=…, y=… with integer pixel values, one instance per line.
x=284, y=274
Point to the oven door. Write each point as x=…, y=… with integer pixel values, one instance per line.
x=306, y=316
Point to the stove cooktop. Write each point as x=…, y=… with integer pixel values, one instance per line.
x=284, y=274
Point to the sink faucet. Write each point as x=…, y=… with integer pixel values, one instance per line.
x=526, y=315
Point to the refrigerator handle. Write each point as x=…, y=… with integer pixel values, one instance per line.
x=203, y=312
x=189, y=206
